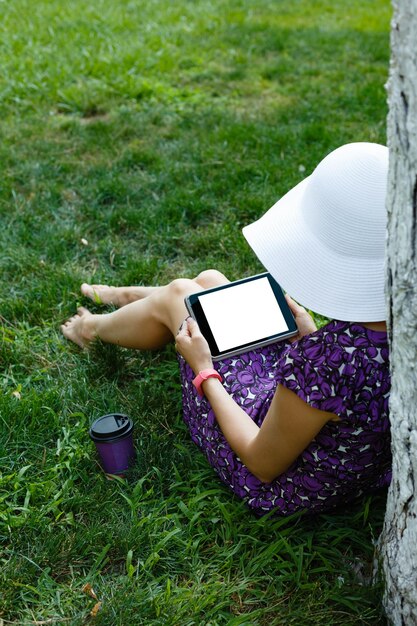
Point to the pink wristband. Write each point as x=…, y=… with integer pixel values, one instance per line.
x=202, y=376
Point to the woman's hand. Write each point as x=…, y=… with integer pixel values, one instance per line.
x=304, y=321
x=191, y=344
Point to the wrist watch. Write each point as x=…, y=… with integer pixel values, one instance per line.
x=202, y=376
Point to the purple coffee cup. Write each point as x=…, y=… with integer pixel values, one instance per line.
x=113, y=438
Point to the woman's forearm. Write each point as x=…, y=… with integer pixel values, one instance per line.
x=238, y=428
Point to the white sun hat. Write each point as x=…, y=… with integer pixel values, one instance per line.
x=324, y=241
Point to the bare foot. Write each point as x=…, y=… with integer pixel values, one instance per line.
x=78, y=329
x=103, y=294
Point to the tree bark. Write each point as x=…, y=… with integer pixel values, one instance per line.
x=398, y=542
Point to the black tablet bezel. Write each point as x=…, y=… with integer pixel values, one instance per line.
x=196, y=311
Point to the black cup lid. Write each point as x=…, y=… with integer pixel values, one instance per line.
x=111, y=426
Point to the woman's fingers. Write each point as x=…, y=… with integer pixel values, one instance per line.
x=191, y=344
x=192, y=326
x=304, y=321
x=188, y=329
x=296, y=308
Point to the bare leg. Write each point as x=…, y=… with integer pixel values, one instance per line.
x=145, y=324
x=120, y=296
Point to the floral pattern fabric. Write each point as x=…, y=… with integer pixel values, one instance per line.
x=342, y=368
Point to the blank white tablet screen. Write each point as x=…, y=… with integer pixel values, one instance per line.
x=243, y=313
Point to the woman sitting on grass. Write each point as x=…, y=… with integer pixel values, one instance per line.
x=300, y=425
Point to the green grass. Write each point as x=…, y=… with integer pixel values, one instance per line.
x=154, y=131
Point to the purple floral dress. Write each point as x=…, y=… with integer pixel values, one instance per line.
x=342, y=368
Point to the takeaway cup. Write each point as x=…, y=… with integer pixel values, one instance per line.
x=113, y=438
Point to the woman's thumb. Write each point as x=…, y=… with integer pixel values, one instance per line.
x=296, y=308
x=192, y=325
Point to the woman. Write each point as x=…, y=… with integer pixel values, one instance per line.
x=291, y=426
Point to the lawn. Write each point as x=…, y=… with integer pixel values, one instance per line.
x=137, y=138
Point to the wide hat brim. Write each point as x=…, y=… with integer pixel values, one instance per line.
x=336, y=285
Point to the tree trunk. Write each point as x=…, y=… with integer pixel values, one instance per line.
x=398, y=542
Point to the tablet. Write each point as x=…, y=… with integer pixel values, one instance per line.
x=242, y=315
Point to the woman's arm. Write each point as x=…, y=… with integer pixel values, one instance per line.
x=289, y=426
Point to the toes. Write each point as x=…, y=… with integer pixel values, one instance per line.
x=70, y=332
x=71, y=320
x=86, y=290
x=92, y=292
